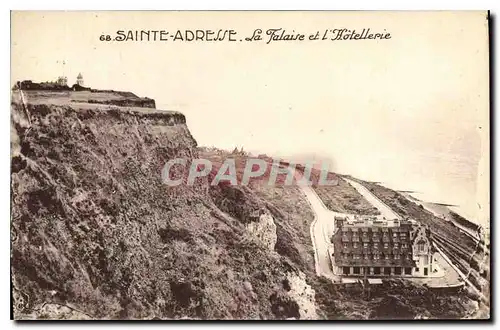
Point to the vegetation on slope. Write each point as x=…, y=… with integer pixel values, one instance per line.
x=291, y=211
x=94, y=227
x=394, y=299
x=344, y=198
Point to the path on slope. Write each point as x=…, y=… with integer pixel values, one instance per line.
x=322, y=229
x=385, y=210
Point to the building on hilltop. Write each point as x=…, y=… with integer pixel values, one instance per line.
x=45, y=86
x=62, y=81
x=374, y=246
x=79, y=80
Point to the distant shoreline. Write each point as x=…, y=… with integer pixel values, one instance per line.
x=441, y=209
x=444, y=212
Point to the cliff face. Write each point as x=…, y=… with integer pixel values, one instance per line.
x=95, y=230
x=96, y=234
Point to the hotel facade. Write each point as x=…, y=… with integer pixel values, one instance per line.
x=375, y=247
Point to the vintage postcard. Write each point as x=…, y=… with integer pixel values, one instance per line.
x=258, y=165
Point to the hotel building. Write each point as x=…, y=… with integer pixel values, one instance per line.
x=378, y=247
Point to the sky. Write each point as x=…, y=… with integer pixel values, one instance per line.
x=396, y=110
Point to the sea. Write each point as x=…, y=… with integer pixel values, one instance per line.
x=446, y=180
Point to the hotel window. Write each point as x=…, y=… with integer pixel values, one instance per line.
x=397, y=256
x=356, y=256
x=367, y=257
x=404, y=245
x=376, y=257
x=375, y=245
x=407, y=257
x=387, y=257
x=346, y=255
x=345, y=245
x=395, y=235
x=396, y=245
x=403, y=235
x=355, y=245
x=386, y=245
x=365, y=245
x=421, y=246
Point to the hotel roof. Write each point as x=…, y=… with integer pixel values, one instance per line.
x=373, y=221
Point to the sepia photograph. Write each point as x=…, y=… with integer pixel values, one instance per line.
x=250, y=165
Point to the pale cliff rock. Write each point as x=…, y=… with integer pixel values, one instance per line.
x=264, y=230
x=303, y=295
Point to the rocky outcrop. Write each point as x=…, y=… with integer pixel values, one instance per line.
x=264, y=230
x=237, y=201
x=302, y=293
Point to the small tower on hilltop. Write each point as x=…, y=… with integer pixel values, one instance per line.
x=79, y=80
